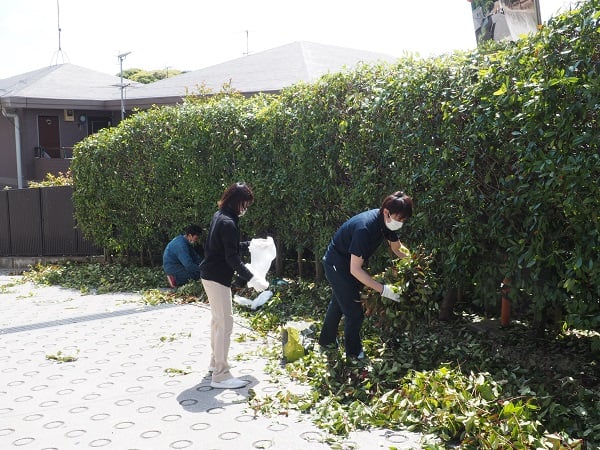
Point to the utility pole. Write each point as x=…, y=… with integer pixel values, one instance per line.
x=121, y=58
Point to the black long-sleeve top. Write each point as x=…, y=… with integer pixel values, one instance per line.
x=222, y=251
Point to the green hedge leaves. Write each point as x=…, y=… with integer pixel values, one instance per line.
x=498, y=147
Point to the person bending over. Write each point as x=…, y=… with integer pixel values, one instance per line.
x=351, y=246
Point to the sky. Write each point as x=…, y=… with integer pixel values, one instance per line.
x=193, y=34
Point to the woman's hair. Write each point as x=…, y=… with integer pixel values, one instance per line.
x=236, y=197
x=398, y=203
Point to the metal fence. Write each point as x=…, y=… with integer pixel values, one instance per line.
x=40, y=222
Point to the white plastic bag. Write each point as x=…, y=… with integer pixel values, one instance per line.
x=262, y=254
x=242, y=301
x=262, y=298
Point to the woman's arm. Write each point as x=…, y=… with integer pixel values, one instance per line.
x=356, y=269
x=397, y=248
x=231, y=247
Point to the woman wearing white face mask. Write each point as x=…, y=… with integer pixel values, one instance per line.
x=221, y=260
x=353, y=244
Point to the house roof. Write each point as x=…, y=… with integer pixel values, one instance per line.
x=267, y=71
x=69, y=86
x=60, y=86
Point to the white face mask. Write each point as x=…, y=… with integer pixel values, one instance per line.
x=393, y=225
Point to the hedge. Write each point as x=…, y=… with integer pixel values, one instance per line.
x=498, y=147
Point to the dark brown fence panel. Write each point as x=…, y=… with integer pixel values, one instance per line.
x=4, y=224
x=58, y=225
x=85, y=247
x=40, y=222
x=25, y=222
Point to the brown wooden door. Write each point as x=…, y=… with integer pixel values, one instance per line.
x=49, y=135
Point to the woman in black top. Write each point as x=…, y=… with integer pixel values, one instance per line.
x=221, y=260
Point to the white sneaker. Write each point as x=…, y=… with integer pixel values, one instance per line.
x=230, y=383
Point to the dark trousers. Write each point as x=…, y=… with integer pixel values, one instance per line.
x=345, y=302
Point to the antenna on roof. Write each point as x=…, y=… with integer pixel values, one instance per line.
x=59, y=52
x=247, y=52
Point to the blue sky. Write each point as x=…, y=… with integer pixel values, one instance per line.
x=192, y=34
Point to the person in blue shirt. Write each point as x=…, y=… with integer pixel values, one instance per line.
x=181, y=262
x=349, y=249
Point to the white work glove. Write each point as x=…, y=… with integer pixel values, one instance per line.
x=258, y=284
x=388, y=293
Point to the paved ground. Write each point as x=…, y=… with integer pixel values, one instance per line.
x=125, y=389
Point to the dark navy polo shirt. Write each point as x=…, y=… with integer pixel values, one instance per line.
x=360, y=235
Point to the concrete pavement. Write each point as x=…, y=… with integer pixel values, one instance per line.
x=107, y=371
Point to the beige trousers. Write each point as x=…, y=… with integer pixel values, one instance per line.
x=221, y=326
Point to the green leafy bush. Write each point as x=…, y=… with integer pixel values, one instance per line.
x=413, y=279
x=498, y=147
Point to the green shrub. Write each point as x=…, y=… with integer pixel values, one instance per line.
x=498, y=147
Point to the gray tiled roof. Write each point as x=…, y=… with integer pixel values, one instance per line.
x=68, y=85
x=267, y=71
x=63, y=84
